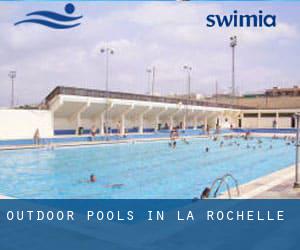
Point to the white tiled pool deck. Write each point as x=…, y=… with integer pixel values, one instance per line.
x=278, y=185
x=5, y=197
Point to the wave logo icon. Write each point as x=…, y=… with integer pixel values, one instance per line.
x=53, y=20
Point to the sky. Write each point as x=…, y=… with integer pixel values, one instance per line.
x=144, y=34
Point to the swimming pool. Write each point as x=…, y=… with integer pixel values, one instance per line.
x=147, y=170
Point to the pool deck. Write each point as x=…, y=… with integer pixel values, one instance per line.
x=277, y=185
x=5, y=197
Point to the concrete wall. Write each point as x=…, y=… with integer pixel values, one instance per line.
x=64, y=123
x=266, y=122
x=284, y=122
x=22, y=124
x=250, y=122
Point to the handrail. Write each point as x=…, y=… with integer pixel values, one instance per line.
x=235, y=182
x=221, y=180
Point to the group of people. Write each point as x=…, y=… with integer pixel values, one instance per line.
x=258, y=143
x=106, y=130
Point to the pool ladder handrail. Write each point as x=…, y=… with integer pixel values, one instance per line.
x=221, y=180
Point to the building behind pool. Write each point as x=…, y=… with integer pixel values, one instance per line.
x=72, y=111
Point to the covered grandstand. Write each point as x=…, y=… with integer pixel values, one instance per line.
x=75, y=108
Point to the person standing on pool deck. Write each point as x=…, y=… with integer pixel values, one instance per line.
x=93, y=132
x=36, y=137
x=119, y=127
x=274, y=124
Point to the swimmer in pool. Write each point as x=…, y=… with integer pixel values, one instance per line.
x=207, y=149
x=92, y=178
x=205, y=193
x=117, y=185
x=185, y=141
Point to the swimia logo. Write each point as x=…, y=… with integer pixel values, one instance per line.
x=52, y=19
x=239, y=20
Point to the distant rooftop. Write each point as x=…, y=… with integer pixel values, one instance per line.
x=276, y=91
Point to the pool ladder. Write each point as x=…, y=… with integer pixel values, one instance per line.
x=223, y=180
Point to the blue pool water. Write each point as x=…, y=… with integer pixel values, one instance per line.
x=147, y=170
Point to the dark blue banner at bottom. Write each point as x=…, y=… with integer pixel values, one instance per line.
x=149, y=224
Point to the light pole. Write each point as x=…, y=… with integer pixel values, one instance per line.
x=153, y=79
x=149, y=72
x=12, y=75
x=217, y=91
x=153, y=71
x=188, y=69
x=107, y=51
x=297, y=182
x=233, y=44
